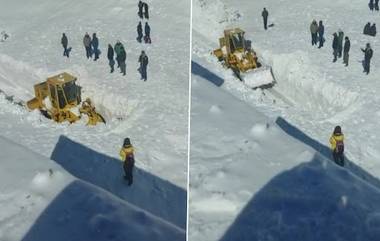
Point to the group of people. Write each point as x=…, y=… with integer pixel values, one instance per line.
x=373, y=5
x=143, y=10
x=140, y=35
x=91, y=46
x=339, y=49
x=317, y=33
x=370, y=29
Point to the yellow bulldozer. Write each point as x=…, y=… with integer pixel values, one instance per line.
x=236, y=54
x=59, y=97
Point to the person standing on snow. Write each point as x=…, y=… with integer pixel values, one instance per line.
x=110, y=54
x=377, y=5
x=140, y=12
x=314, y=31
x=147, y=34
x=143, y=60
x=122, y=58
x=368, y=52
x=337, y=146
x=371, y=5
x=367, y=29
x=321, y=32
x=139, y=32
x=340, y=43
x=335, y=46
x=127, y=155
x=146, y=10
x=346, y=50
x=65, y=42
x=95, y=45
x=87, y=45
x=265, y=14
x=372, y=30
x=117, y=48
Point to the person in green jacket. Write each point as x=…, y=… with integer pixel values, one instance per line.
x=340, y=43
x=118, y=49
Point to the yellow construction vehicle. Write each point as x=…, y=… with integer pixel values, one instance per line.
x=236, y=53
x=59, y=97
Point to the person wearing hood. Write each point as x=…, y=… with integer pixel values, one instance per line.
x=368, y=52
x=65, y=42
x=87, y=45
x=139, y=32
x=321, y=32
x=346, y=50
x=110, y=56
x=337, y=146
x=95, y=46
x=314, y=32
x=143, y=60
x=335, y=46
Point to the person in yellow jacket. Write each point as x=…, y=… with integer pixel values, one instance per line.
x=337, y=146
x=126, y=154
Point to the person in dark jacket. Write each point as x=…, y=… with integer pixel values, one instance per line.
x=377, y=5
x=372, y=30
x=265, y=14
x=110, y=56
x=346, y=50
x=371, y=5
x=335, y=46
x=122, y=59
x=368, y=52
x=337, y=146
x=117, y=48
x=65, y=42
x=146, y=10
x=87, y=45
x=143, y=60
x=147, y=34
x=340, y=43
x=140, y=12
x=314, y=32
x=321, y=32
x=139, y=32
x=95, y=46
x=367, y=28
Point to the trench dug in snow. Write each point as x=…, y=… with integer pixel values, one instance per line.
x=18, y=78
x=309, y=89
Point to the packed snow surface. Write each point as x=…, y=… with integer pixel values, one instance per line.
x=85, y=196
x=249, y=180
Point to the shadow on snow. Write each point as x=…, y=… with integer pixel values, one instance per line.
x=199, y=70
x=313, y=201
x=82, y=211
x=148, y=192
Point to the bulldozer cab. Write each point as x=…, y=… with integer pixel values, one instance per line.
x=236, y=40
x=64, y=93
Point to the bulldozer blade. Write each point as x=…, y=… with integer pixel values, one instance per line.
x=258, y=78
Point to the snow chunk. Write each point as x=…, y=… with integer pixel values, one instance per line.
x=46, y=182
x=259, y=130
x=215, y=109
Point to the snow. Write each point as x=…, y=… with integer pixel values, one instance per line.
x=279, y=183
x=67, y=204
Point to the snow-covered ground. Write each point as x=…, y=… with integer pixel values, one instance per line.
x=41, y=201
x=243, y=173
x=154, y=114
